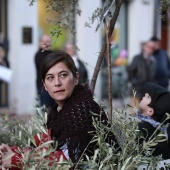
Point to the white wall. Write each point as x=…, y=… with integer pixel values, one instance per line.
x=88, y=40
x=22, y=88
x=140, y=24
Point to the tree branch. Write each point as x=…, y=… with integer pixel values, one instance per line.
x=104, y=46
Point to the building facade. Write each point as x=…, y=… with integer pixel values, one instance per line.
x=20, y=30
x=22, y=44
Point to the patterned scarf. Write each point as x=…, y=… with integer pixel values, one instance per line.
x=153, y=122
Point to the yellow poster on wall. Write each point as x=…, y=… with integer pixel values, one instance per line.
x=47, y=25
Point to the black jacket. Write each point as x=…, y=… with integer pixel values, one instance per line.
x=141, y=71
x=163, y=68
x=39, y=56
x=83, y=76
x=162, y=147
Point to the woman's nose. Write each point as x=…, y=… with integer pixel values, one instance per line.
x=58, y=82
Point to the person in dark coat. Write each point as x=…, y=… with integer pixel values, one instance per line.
x=141, y=70
x=154, y=106
x=162, y=74
x=4, y=64
x=83, y=75
x=43, y=51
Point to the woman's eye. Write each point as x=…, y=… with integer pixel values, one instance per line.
x=63, y=75
x=49, y=78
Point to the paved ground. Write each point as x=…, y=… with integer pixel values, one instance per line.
x=118, y=104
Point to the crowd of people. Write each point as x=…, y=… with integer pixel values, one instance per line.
x=151, y=65
x=62, y=77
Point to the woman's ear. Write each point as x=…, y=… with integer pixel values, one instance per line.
x=77, y=78
x=44, y=85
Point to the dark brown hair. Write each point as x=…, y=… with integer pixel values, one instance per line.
x=54, y=58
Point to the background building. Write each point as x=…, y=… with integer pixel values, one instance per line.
x=21, y=26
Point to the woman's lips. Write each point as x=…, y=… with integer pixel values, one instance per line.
x=58, y=91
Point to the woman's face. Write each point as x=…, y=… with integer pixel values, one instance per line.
x=146, y=100
x=60, y=82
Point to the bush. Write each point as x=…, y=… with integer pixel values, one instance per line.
x=106, y=157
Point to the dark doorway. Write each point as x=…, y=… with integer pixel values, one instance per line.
x=4, y=48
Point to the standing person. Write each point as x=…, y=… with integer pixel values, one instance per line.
x=70, y=121
x=142, y=69
x=2, y=56
x=44, y=50
x=154, y=106
x=163, y=67
x=2, y=63
x=83, y=75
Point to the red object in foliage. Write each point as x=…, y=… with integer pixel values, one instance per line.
x=16, y=159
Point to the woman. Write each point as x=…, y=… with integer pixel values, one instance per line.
x=70, y=121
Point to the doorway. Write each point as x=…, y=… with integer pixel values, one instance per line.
x=4, y=49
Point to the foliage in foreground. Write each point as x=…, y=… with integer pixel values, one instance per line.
x=8, y=129
x=106, y=157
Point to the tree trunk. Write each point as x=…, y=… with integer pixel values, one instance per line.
x=104, y=46
x=109, y=72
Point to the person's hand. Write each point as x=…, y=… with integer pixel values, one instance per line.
x=5, y=156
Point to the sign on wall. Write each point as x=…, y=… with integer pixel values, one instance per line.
x=27, y=35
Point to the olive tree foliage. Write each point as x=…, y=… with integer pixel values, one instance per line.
x=165, y=7
x=131, y=156
x=65, y=11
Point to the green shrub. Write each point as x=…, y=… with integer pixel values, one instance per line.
x=106, y=157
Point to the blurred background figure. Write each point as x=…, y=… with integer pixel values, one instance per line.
x=71, y=50
x=162, y=74
x=2, y=63
x=141, y=70
x=43, y=51
x=2, y=56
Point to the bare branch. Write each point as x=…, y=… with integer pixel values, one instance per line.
x=101, y=55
